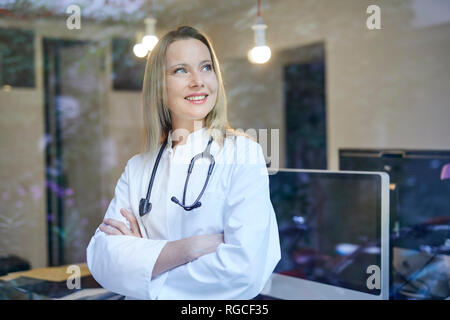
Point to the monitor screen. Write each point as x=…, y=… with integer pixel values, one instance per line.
x=330, y=226
x=420, y=205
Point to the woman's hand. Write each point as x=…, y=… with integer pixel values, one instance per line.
x=115, y=227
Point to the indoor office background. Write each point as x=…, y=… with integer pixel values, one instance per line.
x=343, y=96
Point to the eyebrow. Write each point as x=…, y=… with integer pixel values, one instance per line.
x=185, y=65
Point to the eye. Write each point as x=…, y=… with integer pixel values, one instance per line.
x=176, y=70
x=209, y=66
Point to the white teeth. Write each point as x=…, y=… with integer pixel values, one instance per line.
x=196, y=98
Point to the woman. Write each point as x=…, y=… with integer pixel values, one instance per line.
x=157, y=244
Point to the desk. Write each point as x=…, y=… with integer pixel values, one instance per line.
x=51, y=284
x=55, y=274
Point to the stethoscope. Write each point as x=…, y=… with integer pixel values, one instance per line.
x=145, y=205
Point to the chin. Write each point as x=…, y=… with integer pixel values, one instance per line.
x=196, y=117
x=198, y=114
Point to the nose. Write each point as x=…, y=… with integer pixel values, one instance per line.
x=196, y=80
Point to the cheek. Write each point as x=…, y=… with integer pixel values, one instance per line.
x=213, y=84
x=173, y=88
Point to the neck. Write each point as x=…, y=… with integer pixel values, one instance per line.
x=180, y=131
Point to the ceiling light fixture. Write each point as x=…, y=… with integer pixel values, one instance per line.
x=150, y=39
x=146, y=42
x=139, y=49
x=260, y=53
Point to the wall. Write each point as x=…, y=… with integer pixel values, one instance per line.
x=385, y=88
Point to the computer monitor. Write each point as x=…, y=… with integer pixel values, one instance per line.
x=419, y=196
x=334, y=235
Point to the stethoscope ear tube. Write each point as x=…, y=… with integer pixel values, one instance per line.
x=144, y=207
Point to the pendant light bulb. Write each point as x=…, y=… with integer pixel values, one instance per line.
x=139, y=49
x=150, y=39
x=260, y=53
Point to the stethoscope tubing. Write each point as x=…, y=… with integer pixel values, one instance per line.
x=145, y=205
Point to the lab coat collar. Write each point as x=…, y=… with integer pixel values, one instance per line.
x=195, y=143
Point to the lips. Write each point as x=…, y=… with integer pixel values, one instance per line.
x=197, y=101
x=196, y=95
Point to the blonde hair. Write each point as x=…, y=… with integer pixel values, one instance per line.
x=156, y=117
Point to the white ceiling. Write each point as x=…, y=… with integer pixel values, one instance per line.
x=129, y=10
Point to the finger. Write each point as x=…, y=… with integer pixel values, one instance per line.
x=129, y=217
x=109, y=230
x=132, y=220
x=118, y=225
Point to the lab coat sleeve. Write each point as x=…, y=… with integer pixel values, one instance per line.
x=241, y=266
x=124, y=264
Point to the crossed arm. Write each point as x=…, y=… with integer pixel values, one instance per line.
x=174, y=253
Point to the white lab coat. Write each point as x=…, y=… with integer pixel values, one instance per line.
x=236, y=202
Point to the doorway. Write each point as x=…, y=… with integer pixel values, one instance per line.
x=75, y=88
x=305, y=107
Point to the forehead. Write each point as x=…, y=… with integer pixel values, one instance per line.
x=187, y=51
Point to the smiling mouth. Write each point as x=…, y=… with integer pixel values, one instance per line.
x=197, y=99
